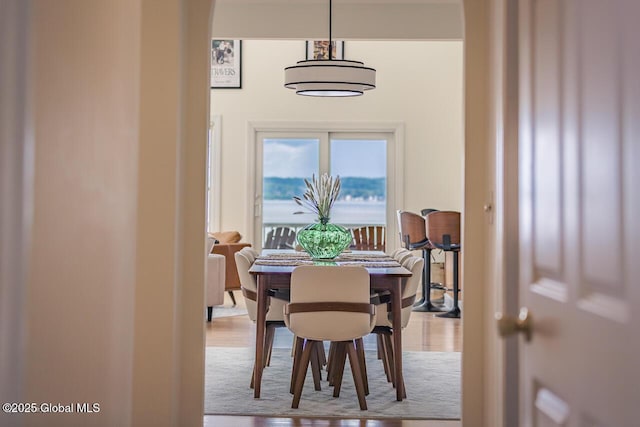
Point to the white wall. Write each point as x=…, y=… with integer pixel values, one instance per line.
x=352, y=20
x=111, y=132
x=419, y=83
x=82, y=263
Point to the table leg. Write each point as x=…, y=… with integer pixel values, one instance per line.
x=261, y=322
x=396, y=307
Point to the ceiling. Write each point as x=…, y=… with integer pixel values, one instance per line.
x=352, y=19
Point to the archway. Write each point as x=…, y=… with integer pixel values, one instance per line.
x=476, y=183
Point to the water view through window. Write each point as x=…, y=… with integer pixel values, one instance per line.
x=361, y=164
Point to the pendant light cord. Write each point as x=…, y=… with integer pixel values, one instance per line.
x=330, y=43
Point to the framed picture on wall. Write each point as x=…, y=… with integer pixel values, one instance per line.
x=226, y=64
x=319, y=49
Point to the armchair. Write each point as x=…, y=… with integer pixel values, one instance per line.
x=214, y=278
x=229, y=244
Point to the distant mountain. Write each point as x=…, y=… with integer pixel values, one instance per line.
x=352, y=188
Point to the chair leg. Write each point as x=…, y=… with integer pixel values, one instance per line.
x=303, y=363
x=383, y=355
x=253, y=373
x=293, y=345
x=233, y=298
x=267, y=355
x=388, y=351
x=316, y=364
x=297, y=352
x=209, y=313
x=271, y=332
x=379, y=346
x=356, y=370
x=330, y=362
x=337, y=368
x=322, y=354
x=391, y=357
x=363, y=365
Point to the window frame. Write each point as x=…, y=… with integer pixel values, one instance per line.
x=394, y=134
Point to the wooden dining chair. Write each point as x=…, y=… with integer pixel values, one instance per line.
x=280, y=238
x=329, y=303
x=369, y=238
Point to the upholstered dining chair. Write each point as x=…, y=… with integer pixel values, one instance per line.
x=251, y=253
x=275, y=314
x=400, y=255
x=397, y=252
x=329, y=303
x=443, y=228
x=403, y=256
x=383, y=328
x=413, y=233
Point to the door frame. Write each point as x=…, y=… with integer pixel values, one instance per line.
x=481, y=398
x=499, y=26
x=506, y=78
x=482, y=366
x=16, y=196
x=214, y=169
x=188, y=340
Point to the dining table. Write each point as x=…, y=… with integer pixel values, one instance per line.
x=273, y=270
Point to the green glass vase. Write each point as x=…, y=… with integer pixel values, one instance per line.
x=323, y=240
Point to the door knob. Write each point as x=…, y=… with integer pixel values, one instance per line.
x=509, y=325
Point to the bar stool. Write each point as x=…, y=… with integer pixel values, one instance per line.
x=413, y=234
x=425, y=212
x=443, y=229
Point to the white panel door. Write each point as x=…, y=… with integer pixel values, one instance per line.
x=580, y=212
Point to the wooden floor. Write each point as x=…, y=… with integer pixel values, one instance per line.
x=424, y=333
x=243, y=421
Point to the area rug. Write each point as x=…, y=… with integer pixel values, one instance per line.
x=228, y=311
x=432, y=382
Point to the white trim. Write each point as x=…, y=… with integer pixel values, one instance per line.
x=477, y=381
x=16, y=195
x=215, y=165
x=502, y=360
x=252, y=132
x=395, y=160
x=392, y=225
x=324, y=126
x=256, y=213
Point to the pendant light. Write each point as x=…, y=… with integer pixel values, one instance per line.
x=329, y=77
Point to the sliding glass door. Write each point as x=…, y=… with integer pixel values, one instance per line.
x=284, y=160
x=362, y=166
